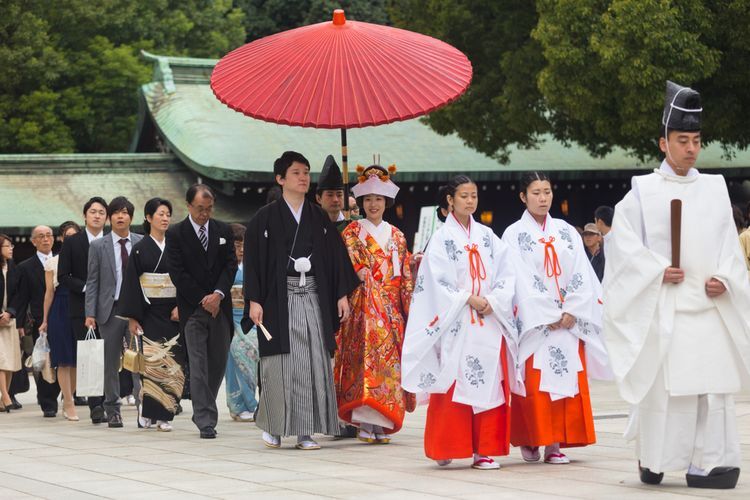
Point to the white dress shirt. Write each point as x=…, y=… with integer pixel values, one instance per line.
x=197, y=228
x=43, y=257
x=92, y=237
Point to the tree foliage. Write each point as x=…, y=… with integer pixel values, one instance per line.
x=72, y=67
x=588, y=71
x=266, y=17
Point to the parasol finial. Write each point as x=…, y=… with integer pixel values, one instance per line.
x=339, y=18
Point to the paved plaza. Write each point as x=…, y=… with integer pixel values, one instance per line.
x=53, y=458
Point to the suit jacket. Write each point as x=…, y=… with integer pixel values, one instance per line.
x=29, y=295
x=12, y=286
x=197, y=272
x=72, y=269
x=101, y=279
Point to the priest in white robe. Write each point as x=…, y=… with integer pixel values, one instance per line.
x=679, y=337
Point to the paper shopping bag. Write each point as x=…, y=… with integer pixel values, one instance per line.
x=90, y=366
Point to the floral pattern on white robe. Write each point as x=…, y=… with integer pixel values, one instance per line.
x=557, y=260
x=447, y=342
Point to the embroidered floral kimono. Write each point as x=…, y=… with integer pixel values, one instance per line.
x=446, y=341
x=457, y=356
x=368, y=360
x=554, y=362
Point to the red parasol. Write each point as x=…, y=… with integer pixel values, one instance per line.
x=341, y=74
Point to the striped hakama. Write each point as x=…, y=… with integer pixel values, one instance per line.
x=298, y=396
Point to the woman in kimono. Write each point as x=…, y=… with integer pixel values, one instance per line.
x=148, y=300
x=242, y=363
x=462, y=332
x=368, y=359
x=554, y=408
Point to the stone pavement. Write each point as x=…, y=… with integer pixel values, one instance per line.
x=53, y=458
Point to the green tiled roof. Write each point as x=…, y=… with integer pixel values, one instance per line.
x=225, y=145
x=50, y=189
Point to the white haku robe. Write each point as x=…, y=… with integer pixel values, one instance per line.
x=556, y=351
x=441, y=344
x=676, y=353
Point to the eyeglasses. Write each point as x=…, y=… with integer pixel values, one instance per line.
x=46, y=236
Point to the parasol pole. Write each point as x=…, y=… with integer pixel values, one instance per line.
x=345, y=171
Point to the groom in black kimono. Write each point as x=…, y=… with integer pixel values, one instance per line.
x=297, y=278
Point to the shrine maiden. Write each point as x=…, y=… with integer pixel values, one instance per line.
x=553, y=409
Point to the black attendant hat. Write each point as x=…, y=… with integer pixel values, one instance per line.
x=330, y=176
x=682, y=109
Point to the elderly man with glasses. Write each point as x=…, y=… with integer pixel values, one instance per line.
x=28, y=303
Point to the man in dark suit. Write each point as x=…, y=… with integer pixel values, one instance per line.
x=29, y=301
x=108, y=260
x=202, y=265
x=72, y=271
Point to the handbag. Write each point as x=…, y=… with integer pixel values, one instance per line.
x=133, y=359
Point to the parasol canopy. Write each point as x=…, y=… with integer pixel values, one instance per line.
x=341, y=74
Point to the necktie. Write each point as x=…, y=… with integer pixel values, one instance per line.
x=202, y=236
x=123, y=254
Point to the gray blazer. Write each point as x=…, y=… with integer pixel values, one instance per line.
x=101, y=282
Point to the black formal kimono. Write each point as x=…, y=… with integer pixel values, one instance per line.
x=163, y=346
x=297, y=396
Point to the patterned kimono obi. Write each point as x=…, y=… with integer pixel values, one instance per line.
x=448, y=343
x=157, y=286
x=238, y=299
x=555, y=255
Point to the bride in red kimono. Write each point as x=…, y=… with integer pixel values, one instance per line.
x=368, y=360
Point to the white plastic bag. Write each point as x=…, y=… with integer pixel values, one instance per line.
x=90, y=366
x=39, y=354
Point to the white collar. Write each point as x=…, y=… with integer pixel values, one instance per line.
x=381, y=233
x=91, y=237
x=160, y=244
x=533, y=222
x=297, y=214
x=197, y=226
x=340, y=217
x=666, y=168
x=452, y=221
x=116, y=239
x=43, y=257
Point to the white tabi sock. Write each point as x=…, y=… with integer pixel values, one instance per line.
x=696, y=471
